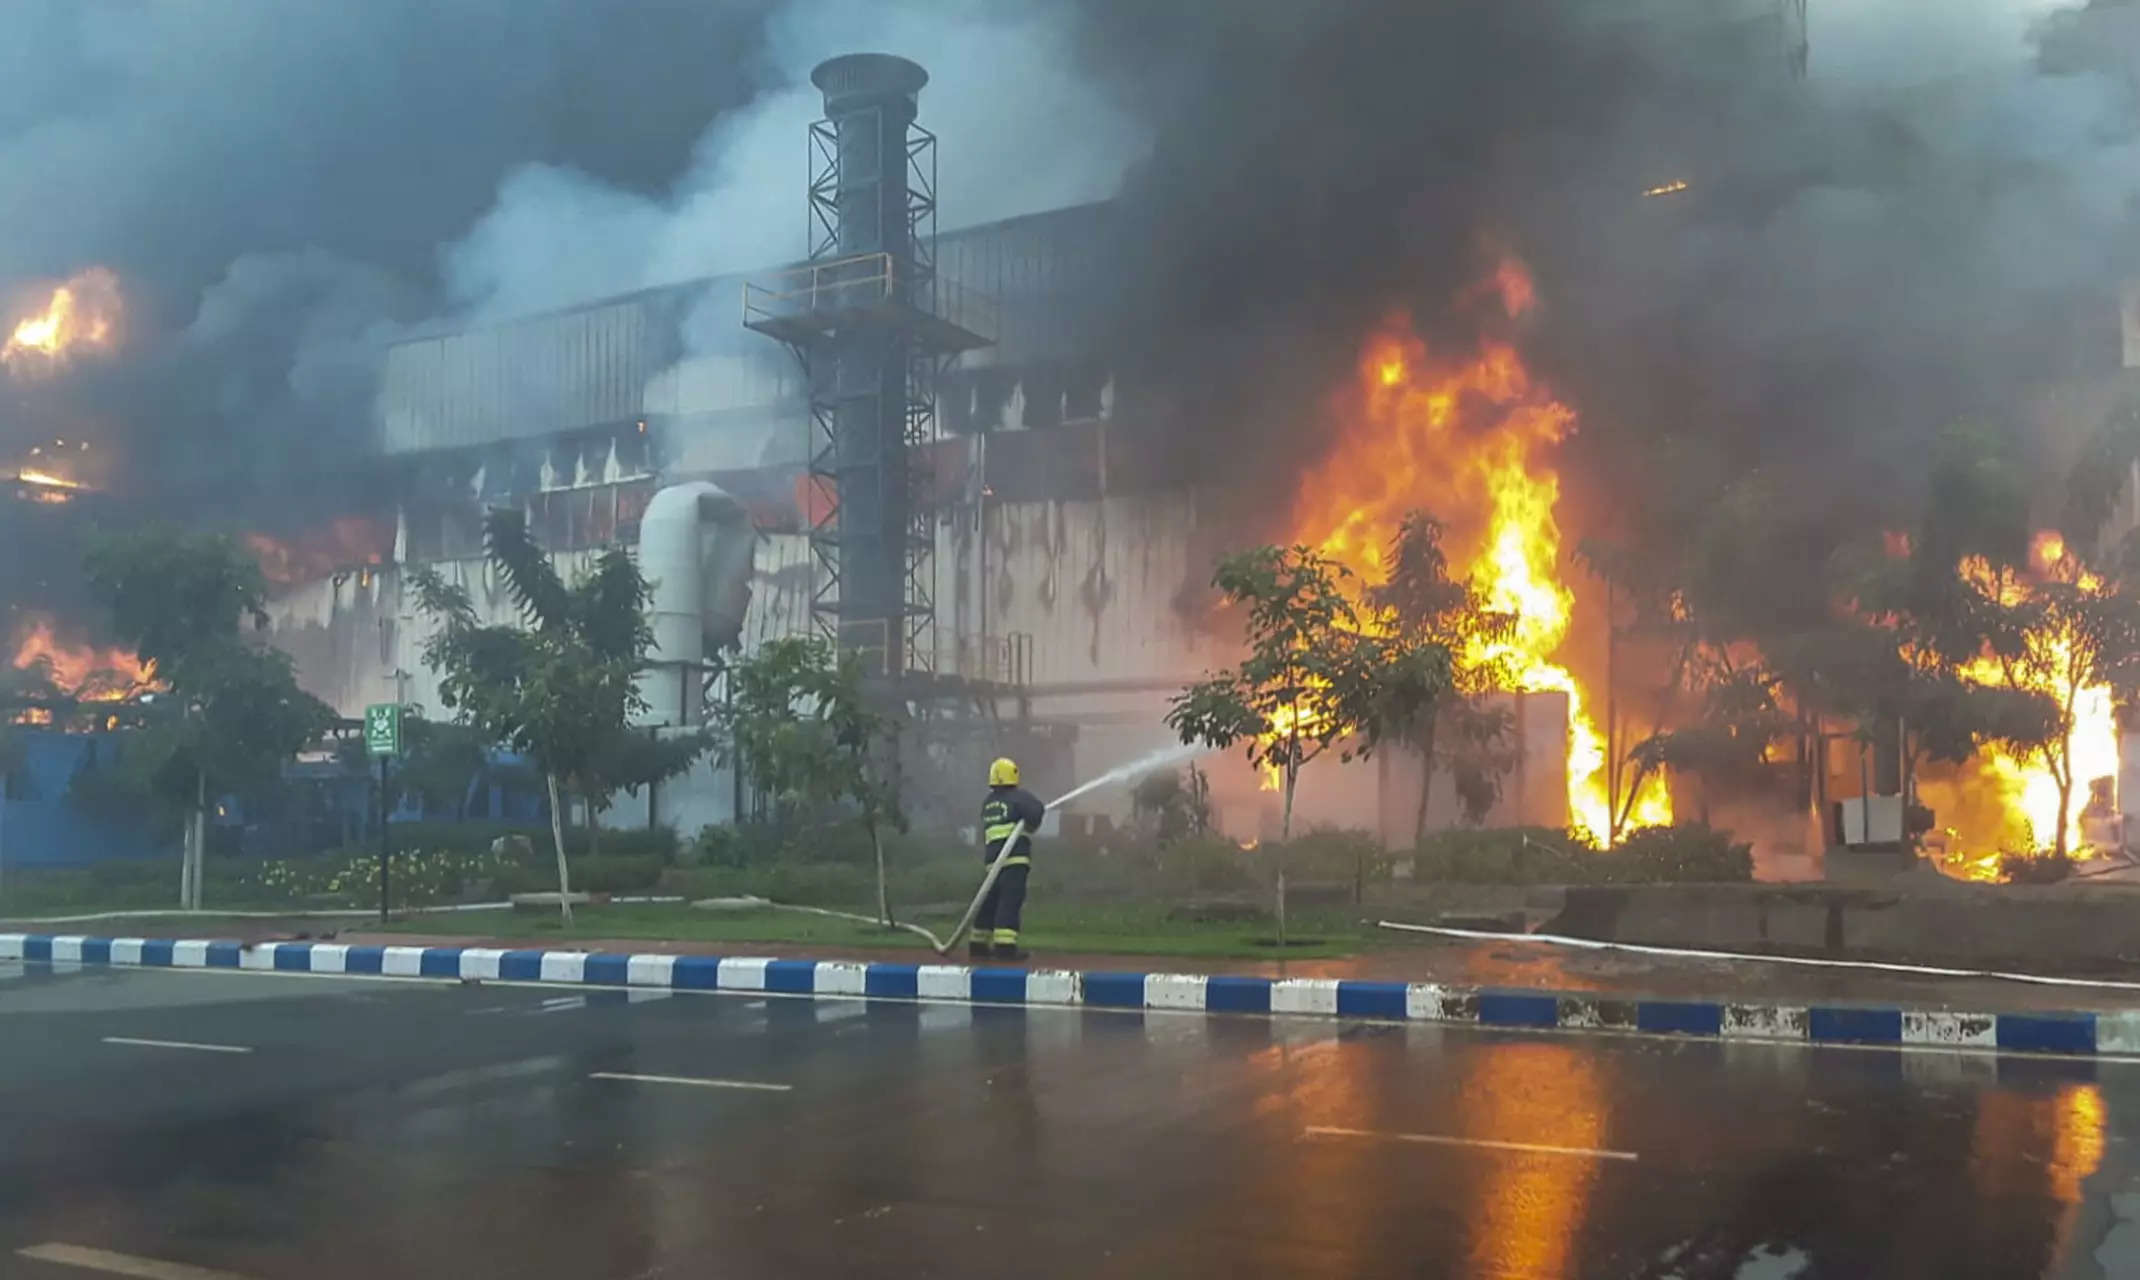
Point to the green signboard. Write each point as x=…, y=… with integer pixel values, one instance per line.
x=382, y=728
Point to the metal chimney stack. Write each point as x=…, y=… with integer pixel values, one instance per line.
x=870, y=102
x=872, y=326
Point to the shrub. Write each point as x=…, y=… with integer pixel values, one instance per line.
x=1346, y=857
x=1205, y=864
x=1686, y=854
x=658, y=842
x=2041, y=866
x=616, y=873
x=1504, y=855
x=1689, y=853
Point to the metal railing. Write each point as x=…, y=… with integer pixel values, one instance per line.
x=814, y=294
x=1004, y=660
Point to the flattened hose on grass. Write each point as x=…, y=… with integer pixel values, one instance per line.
x=942, y=945
x=849, y=915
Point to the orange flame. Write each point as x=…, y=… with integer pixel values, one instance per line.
x=79, y=671
x=351, y=542
x=1465, y=437
x=2022, y=783
x=80, y=313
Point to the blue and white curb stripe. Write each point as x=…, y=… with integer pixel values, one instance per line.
x=2079, y=1033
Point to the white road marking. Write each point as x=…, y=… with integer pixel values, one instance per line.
x=179, y=1044
x=121, y=1264
x=690, y=1080
x=1326, y=1131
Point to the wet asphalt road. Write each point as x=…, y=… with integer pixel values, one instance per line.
x=377, y=1129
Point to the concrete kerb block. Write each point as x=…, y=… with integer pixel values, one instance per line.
x=329, y=957
x=1305, y=995
x=1432, y=1002
x=743, y=974
x=1934, y=1027
x=840, y=978
x=1174, y=990
x=564, y=966
x=943, y=982
x=2057, y=1033
x=1764, y=1022
x=650, y=971
x=2118, y=1032
x=1054, y=987
x=402, y=962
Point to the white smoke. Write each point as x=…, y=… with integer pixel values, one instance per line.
x=1021, y=129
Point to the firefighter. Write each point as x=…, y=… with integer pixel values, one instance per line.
x=995, y=927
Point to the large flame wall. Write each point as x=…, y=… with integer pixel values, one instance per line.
x=1468, y=437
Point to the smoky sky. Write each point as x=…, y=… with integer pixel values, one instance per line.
x=1926, y=226
x=286, y=185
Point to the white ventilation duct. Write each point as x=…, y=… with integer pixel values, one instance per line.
x=696, y=547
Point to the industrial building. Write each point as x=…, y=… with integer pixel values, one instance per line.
x=929, y=442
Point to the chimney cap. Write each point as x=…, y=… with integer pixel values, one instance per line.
x=855, y=80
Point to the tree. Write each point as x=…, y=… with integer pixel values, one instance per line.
x=2082, y=632
x=231, y=713
x=560, y=690
x=1314, y=678
x=1739, y=716
x=1176, y=803
x=798, y=725
x=440, y=763
x=20, y=691
x=633, y=758
x=1427, y=606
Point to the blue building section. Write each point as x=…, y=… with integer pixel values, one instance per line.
x=323, y=805
x=39, y=826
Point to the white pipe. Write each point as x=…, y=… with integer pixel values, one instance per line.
x=695, y=548
x=988, y=881
x=1593, y=944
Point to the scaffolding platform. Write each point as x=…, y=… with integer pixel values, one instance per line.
x=812, y=303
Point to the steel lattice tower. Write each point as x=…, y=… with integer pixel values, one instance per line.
x=873, y=327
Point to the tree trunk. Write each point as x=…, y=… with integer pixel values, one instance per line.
x=195, y=856
x=1426, y=778
x=884, y=899
x=2062, y=773
x=1285, y=838
x=185, y=864
x=557, y=836
x=594, y=827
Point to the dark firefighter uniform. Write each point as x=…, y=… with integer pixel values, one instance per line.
x=995, y=926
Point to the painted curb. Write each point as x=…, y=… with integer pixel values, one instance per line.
x=2074, y=1033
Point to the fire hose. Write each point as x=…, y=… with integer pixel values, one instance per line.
x=995, y=868
x=944, y=945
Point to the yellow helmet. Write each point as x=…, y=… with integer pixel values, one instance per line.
x=1003, y=773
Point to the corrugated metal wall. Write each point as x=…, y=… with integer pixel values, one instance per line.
x=681, y=351
x=533, y=377
x=1098, y=588
x=1041, y=271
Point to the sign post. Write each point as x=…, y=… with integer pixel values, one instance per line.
x=382, y=738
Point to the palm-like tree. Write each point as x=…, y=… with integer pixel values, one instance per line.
x=562, y=689
x=1425, y=604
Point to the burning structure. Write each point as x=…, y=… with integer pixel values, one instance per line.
x=1615, y=278
x=947, y=473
